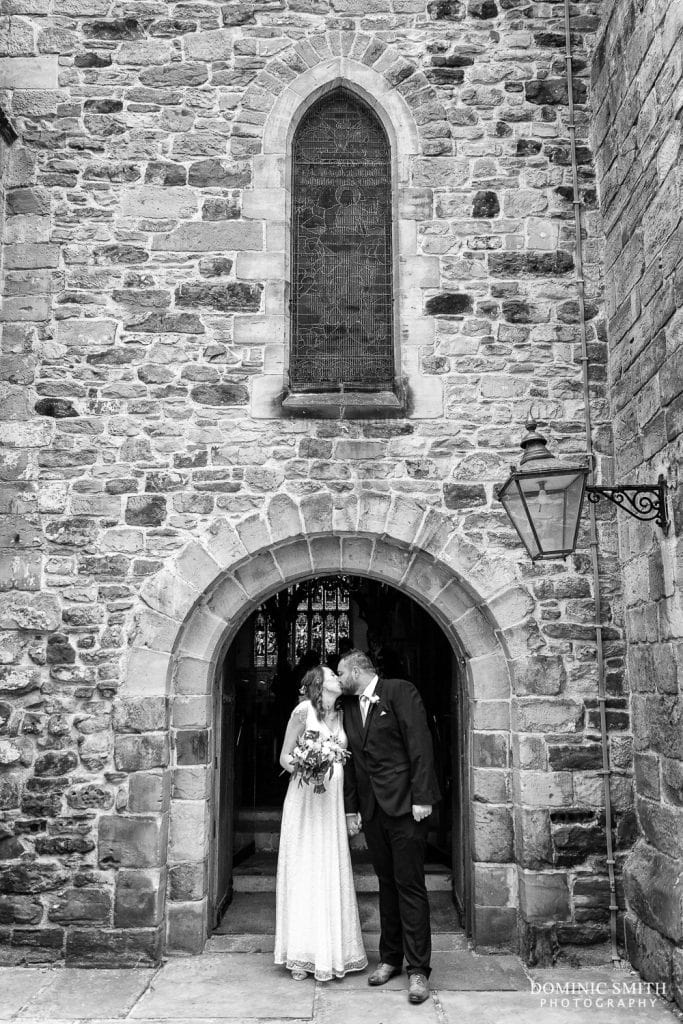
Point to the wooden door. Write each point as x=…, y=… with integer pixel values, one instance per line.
x=224, y=789
x=462, y=880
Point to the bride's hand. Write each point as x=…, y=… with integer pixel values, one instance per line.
x=353, y=824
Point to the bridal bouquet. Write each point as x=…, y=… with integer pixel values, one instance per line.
x=314, y=759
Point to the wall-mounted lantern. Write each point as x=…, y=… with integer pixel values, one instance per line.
x=544, y=498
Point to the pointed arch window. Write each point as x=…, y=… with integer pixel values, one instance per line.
x=341, y=292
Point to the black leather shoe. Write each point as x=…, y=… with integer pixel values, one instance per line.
x=383, y=973
x=418, y=989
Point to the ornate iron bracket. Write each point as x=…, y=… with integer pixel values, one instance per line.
x=642, y=502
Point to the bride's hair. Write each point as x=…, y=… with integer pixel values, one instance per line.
x=312, y=685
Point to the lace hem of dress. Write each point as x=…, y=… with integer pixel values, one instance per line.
x=307, y=965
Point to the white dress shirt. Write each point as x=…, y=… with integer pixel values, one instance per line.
x=366, y=696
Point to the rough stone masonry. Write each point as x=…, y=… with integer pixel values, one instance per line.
x=155, y=488
x=636, y=135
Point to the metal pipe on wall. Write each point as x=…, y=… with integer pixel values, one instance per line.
x=580, y=285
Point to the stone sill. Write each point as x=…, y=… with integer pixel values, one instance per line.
x=347, y=405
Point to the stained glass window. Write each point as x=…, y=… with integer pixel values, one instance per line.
x=265, y=641
x=341, y=335
x=321, y=620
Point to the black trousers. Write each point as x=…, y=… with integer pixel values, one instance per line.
x=397, y=849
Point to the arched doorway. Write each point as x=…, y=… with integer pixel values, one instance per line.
x=194, y=609
x=257, y=684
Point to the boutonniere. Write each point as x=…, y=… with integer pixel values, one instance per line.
x=374, y=699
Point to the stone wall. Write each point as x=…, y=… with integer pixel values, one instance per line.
x=637, y=77
x=143, y=327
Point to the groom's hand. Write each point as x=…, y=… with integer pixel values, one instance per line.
x=421, y=811
x=353, y=824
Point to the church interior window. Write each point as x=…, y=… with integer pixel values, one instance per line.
x=321, y=619
x=341, y=296
x=265, y=641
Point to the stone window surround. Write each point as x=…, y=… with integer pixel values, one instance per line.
x=418, y=395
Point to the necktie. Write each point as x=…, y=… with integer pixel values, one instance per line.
x=364, y=705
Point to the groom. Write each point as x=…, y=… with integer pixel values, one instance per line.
x=389, y=789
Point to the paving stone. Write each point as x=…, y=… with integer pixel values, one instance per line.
x=373, y=1006
x=453, y=970
x=19, y=985
x=472, y=972
x=241, y=985
x=75, y=993
x=526, y=1008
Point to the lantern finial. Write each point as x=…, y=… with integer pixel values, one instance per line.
x=534, y=446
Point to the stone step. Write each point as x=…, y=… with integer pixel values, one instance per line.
x=257, y=874
x=264, y=833
x=254, y=914
x=259, y=818
x=262, y=811
x=263, y=841
x=442, y=942
x=269, y=842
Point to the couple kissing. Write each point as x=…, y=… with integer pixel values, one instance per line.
x=365, y=745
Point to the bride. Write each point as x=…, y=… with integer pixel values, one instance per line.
x=317, y=928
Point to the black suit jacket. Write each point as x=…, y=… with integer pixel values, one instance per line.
x=392, y=758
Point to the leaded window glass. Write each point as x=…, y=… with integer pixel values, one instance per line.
x=265, y=641
x=341, y=327
x=321, y=620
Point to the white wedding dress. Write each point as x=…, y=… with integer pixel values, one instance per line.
x=317, y=927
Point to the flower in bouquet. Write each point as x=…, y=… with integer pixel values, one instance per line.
x=314, y=758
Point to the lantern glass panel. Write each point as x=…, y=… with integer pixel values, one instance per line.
x=553, y=503
x=513, y=503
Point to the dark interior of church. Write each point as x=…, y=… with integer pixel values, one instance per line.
x=315, y=622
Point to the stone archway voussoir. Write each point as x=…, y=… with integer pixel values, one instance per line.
x=283, y=518
x=155, y=631
x=316, y=514
x=490, y=676
x=331, y=70
x=475, y=633
x=389, y=562
x=427, y=576
x=193, y=676
x=254, y=534
x=195, y=565
x=345, y=514
x=520, y=640
x=373, y=509
x=224, y=544
x=203, y=634
x=453, y=601
x=228, y=599
x=259, y=574
x=169, y=594
x=435, y=532
x=465, y=558
x=294, y=560
x=514, y=604
x=405, y=519
x=326, y=554
x=491, y=576
x=191, y=711
x=356, y=554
